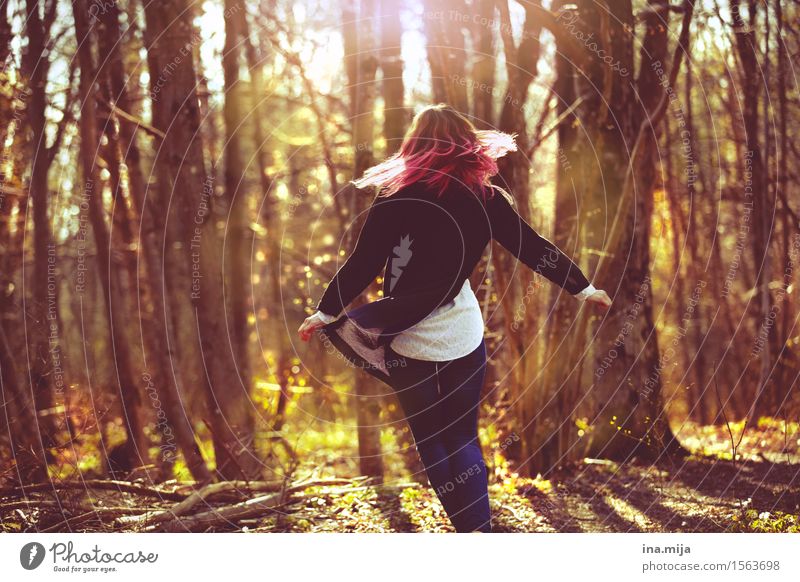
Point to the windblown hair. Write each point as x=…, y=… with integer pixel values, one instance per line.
x=441, y=146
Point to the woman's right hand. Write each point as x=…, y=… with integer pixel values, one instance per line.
x=309, y=326
x=601, y=298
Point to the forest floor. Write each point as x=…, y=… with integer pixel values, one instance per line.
x=702, y=495
x=706, y=492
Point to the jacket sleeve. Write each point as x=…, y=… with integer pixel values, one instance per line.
x=535, y=251
x=369, y=256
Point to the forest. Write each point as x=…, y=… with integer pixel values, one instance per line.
x=176, y=192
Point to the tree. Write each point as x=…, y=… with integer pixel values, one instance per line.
x=194, y=259
x=160, y=337
x=521, y=60
x=626, y=414
x=237, y=269
x=137, y=445
x=44, y=351
x=636, y=404
x=446, y=51
x=755, y=180
x=360, y=47
x=395, y=113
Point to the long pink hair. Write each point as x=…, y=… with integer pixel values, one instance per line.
x=441, y=146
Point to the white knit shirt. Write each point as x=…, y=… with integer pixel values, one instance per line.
x=450, y=331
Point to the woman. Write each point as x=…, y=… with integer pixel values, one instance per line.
x=428, y=226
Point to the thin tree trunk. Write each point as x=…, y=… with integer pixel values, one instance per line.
x=694, y=228
x=362, y=39
x=238, y=247
x=270, y=214
x=395, y=121
x=787, y=359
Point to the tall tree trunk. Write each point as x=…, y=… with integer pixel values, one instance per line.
x=693, y=230
x=270, y=214
x=395, y=121
x=165, y=377
x=756, y=196
x=361, y=41
x=631, y=417
x=625, y=407
x=44, y=351
x=17, y=413
x=192, y=239
x=446, y=51
x=514, y=281
x=788, y=359
x=590, y=169
x=484, y=62
x=542, y=425
x=137, y=445
x=237, y=244
x=395, y=113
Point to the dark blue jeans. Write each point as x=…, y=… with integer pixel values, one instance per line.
x=440, y=401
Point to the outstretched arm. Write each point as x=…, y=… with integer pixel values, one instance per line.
x=364, y=263
x=538, y=253
x=361, y=267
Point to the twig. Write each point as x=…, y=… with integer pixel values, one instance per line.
x=106, y=484
x=199, y=495
x=215, y=489
x=133, y=119
x=246, y=509
x=26, y=504
x=734, y=444
x=99, y=513
x=250, y=508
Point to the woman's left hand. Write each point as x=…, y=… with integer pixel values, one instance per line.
x=309, y=326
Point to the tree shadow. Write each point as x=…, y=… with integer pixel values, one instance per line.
x=607, y=515
x=696, y=495
x=389, y=505
x=650, y=502
x=555, y=511
x=770, y=486
x=577, y=508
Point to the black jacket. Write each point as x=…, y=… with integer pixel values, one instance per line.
x=428, y=247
